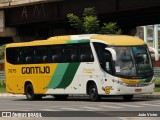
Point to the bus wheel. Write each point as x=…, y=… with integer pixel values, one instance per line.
x=93, y=93
x=61, y=97
x=29, y=91
x=127, y=97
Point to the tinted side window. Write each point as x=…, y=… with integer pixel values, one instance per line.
x=71, y=53
x=50, y=54
x=104, y=56
x=28, y=55
x=19, y=56
x=85, y=53
x=12, y=55
x=41, y=55
x=56, y=53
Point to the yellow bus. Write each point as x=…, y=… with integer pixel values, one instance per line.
x=96, y=65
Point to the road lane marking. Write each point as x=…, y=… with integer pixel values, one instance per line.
x=121, y=105
x=15, y=104
x=49, y=110
x=17, y=109
x=71, y=109
x=24, y=110
x=134, y=118
x=150, y=105
x=109, y=106
x=91, y=108
x=157, y=103
x=126, y=105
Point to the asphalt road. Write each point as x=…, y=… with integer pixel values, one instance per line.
x=82, y=107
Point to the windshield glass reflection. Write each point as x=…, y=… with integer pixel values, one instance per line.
x=133, y=61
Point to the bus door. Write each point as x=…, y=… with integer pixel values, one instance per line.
x=106, y=65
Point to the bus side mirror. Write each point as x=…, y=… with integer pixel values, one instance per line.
x=113, y=52
x=155, y=55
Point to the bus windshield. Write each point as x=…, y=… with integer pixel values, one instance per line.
x=133, y=62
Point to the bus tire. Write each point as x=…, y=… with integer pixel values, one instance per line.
x=29, y=91
x=127, y=97
x=61, y=97
x=93, y=93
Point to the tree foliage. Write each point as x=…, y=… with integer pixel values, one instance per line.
x=110, y=28
x=89, y=23
x=75, y=21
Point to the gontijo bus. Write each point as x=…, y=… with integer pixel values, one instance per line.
x=95, y=65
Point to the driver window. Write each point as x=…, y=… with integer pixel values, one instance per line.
x=108, y=59
x=104, y=57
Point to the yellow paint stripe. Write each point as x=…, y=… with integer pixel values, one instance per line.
x=130, y=81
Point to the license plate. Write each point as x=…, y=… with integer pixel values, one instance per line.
x=138, y=90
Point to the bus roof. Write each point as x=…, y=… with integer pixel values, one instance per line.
x=116, y=40
x=119, y=40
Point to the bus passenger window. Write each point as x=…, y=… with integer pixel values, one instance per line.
x=19, y=56
x=41, y=54
x=71, y=53
x=55, y=58
x=56, y=53
x=73, y=58
x=28, y=55
x=83, y=57
x=14, y=55
x=45, y=59
x=85, y=53
x=11, y=55
x=28, y=59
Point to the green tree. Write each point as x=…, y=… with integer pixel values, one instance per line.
x=75, y=21
x=110, y=28
x=89, y=23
